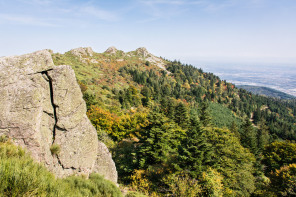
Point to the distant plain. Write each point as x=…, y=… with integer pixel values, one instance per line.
x=282, y=78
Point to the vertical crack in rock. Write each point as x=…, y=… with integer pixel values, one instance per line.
x=54, y=113
x=52, y=103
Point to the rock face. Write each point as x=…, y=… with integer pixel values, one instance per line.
x=40, y=105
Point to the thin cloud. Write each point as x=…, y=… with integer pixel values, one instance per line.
x=99, y=13
x=172, y=2
x=213, y=7
x=25, y=20
x=38, y=2
x=168, y=2
x=161, y=9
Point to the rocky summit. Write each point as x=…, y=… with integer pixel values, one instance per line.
x=41, y=107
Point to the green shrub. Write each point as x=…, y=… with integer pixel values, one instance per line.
x=9, y=150
x=182, y=185
x=55, y=149
x=3, y=138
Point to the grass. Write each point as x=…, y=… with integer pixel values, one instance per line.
x=21, y=176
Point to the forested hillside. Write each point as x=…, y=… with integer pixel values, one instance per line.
x=182, y=132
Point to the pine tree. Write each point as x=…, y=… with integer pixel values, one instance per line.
x=147, y=94
x=248, y=136
x=204, y=115
x=171, y=106
x=234, y=129
x=195, y=152
x=181, y=115
x=263, y=134
x=158, y=141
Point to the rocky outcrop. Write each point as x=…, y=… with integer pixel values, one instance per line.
x=41, y=105
x=111, y=50
x=82, y=51
x=143, y=52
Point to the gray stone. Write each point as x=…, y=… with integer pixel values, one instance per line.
x=82, y=52
x=111, y=50
x=142, y=51
x=40, y=105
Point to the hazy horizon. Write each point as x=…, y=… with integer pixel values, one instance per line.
x=246, y=31
x=282, y=78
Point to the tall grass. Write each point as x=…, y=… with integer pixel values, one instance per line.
x=21, y=176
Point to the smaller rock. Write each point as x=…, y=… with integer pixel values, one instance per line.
x=142, y=51
x=111, y=50
x=82, y=51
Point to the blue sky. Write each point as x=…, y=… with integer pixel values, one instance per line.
x=245, y=31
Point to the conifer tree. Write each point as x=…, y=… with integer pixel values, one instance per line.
x=204, y=115
x=263, y=134
x=147, y=94
x=248, y=136
x=196, y=152
x=181, y=115
x=158, y=141
x=171, y=105
x=234, y=129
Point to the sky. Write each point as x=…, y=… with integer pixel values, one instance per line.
x=203, y=31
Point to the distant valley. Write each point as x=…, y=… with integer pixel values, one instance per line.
x=281, y=78
x=266, y=92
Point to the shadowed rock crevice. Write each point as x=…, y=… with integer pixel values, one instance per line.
x=49, y=79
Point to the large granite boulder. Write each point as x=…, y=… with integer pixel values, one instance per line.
x=41, y=105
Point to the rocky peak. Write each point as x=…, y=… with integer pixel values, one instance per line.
x=41, y=105
x=82, y=51
x=111, y=50
x=142, y=51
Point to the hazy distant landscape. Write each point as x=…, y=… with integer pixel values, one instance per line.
x=282, y=78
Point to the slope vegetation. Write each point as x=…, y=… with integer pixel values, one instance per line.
x=176, y=130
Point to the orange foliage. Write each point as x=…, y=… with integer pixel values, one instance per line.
x=126, y=126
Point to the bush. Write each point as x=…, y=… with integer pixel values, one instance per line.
x=55, y=149
x=3, y=138
x=9, y=150
x=183, y=186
